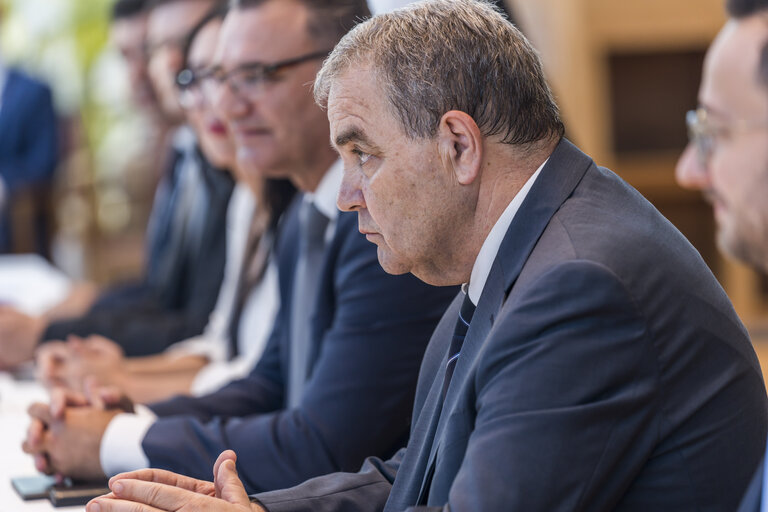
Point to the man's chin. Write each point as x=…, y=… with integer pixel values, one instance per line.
x=390, y=264
x=742, y=248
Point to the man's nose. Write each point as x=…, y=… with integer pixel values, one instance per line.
x=691, y=173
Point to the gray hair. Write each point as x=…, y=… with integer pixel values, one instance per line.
x=440, y=55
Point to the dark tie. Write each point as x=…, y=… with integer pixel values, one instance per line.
x=305, y=289
x=459, y=333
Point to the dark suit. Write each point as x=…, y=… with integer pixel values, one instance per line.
x=751, y=501
x=151, y=316
x=28, y=139
x=604, y=369
x=369, y=331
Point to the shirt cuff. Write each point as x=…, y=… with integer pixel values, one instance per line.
x=121, y=445
x=203, y=346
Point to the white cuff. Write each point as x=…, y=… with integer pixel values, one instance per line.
x=203, y=346
x=121, y=445
x=215, y=376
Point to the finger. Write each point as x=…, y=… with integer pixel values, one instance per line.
x=34, y=438
x=162, y=496
x=92, y=390
x=43, y=464
x=162, y=476
x=41, y=412
x=225, y=455
x=62, y=398
x=113, y=504
x=228, y=485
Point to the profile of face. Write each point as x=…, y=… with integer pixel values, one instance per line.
x=277, y=127
x=405, y=191
x=129, y=36
x=212, y=133
x=167, y=28
x=728, y=158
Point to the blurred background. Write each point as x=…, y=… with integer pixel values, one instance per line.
x=624, y=72
x=94, y=213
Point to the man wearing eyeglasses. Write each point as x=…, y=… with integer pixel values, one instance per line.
x=727, y=158
x=337, y=379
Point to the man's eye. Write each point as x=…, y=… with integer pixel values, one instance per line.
x=361, y=155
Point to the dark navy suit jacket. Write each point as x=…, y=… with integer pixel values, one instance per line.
x=147, y=318
x=28, y=138
x=754, y=495
x=369, y=329
x=604, y=369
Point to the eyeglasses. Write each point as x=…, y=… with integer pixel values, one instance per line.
x=175, y=43
x=704, y=131
x=189, y=83
x=248, y=80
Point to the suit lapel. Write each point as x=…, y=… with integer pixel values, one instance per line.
x=559, y=177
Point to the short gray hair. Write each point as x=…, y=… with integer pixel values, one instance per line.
x=440, y=55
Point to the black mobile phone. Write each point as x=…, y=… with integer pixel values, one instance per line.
x=70, y=493
x=33, y=487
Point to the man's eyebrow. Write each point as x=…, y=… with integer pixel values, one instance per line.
x=353, y=134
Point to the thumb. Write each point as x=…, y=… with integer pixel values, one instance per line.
x=228, y=485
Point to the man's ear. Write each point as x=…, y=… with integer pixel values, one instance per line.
x=460, y=145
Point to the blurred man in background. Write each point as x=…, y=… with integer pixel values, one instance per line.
x=29, y=146
x=727, y=158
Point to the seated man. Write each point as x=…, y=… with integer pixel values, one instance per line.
x=337, y=378
x=185, y=253
x=29, y=145
x=727, y=158
x=246, y=306
x=593, y=364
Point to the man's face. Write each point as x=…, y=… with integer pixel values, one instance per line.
x=734, y=175
x=129, y=36
x=167, y=28
x=407, y=199
x=277, y=128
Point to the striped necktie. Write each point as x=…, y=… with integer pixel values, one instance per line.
x=459, y=333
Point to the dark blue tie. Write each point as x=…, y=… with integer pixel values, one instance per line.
x=459, y=333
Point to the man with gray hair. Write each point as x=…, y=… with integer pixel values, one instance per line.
x=592, y=361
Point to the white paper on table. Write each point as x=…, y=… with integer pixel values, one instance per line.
x=31, y=284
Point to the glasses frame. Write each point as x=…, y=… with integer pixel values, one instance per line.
x=188, y=82
x=263, y=71
x=703, y=131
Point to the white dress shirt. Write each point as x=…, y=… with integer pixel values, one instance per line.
x=258, y=314
x=490, y=247
x=121, y=448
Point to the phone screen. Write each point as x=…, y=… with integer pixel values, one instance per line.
x=33, y=487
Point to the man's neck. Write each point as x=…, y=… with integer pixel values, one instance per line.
x=307, y=177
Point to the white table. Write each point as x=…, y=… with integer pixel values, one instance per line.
x=15, y=397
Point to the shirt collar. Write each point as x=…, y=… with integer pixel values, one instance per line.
x=490, y=248
x=325, y=194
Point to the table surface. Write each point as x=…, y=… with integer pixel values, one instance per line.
x=15, y=397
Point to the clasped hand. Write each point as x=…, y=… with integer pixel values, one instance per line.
x=64, y=437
